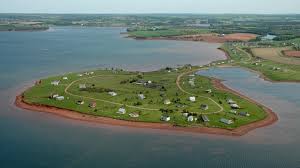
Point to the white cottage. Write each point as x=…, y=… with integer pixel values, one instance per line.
x=167, y=102
x=121, y=110
x=82, y=86
x=55, y=83
x=60, y=98
x=230, y=101
x=192, y=99
x=190, y=118
x=226, y=121
x=165, y=118
x=234, y=106
x=141, y=96
x=112, y=93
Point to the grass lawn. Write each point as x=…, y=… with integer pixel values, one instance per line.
x=127, y=86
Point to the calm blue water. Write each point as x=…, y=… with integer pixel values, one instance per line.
x=31, y=139
x=35, y=54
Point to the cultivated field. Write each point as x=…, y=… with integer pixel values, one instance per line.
x=290, y=53
x=274, y=54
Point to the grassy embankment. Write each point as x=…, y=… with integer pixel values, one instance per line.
x=149, y=109
x=166, y=33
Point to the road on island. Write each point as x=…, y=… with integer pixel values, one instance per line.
x=184, y=91
x=248, y=54
x=141, y=108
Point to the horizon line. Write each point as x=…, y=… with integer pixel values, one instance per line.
x=154, y=13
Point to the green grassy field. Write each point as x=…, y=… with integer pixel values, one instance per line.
x=272, y=70
x=166, y=33
x=151, y=108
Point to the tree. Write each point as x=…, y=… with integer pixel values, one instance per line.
x=138, y=103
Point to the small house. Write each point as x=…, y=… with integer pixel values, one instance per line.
x=192, y=99
x=65, y=78
x=234, y=106
x=190, y=119
x=226, y=121
x=54, y=96
x=185, y=114
x=165, y=118
x=122, y=110
x=112, y=93
x=204, y=106
x=141, y=96
x=205, y=118
x=192, y=83
x=80, y=102
x=230, y=101
x=134, y=115
x=233, y=112
x=55, y=83
x=80, y=75
x=243, y=113
x=82, y=86
x=167, y=102
x=93, y=104
x=141, y=82
x=60, y=98
x=208, y=91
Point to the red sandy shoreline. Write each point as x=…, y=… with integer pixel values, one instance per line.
x=270, y=119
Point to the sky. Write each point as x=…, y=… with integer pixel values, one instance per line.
x=151, y=6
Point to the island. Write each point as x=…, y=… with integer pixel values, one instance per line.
x=171, y=98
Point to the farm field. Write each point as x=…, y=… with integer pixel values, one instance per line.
x=290, y=53
x=161, y=97
x=275, y=54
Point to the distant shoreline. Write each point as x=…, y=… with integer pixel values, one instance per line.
x=209, y=38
